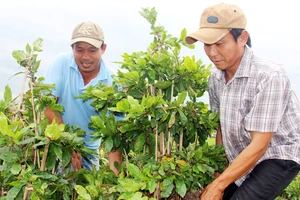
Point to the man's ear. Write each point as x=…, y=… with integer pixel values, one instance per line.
x=243, y=37
x=103, y=48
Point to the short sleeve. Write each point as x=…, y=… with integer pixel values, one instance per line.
x=269, y=103
x=55, y=73
x=214, y=102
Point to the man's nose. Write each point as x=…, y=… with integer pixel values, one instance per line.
x=211, y=51
x=86, y=55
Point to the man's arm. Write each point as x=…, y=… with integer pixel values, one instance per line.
x=50, y=115
x=218, y=142
x=242, y=164
x=219, y=136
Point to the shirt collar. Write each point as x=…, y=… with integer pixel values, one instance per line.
x=244, y=68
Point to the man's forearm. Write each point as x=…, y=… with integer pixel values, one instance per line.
x=51, y=115
x=246, y=160
x=219, y=136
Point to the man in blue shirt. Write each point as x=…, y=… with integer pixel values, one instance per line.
x=72, y=73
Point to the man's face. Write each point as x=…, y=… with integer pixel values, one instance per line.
x=88, y=57
x=226, y=54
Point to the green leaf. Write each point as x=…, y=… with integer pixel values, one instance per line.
x=54, y=131
x=117, y=140
x=212, y=115
x=27, y=141
x=172, y=120
x=111, y=123
x=109, y=143
x=51, y=158
x=151, y=185
x=35, y=66
x=134, y=105
x=149, y=15
x=82, y=192
x=137, y=196
x=180, y=187
x=133, y=76
x=7, y=94
x=9, y=157
x=135, y=171
x=183, y=117
x=3, y=120
x=48, y=176
x=163, y=84
x=93, y=190
x=13, y=192
x=15, y=169
x=139, y=144
x=167, y=190
x=183, y=34
x=19, y=55
x=41, y=143
x=181, y=97
x=151, y=75
x=190, y=65
x=123, y=105
x=37, y=45
x=97, y=122
x=58, y=151
x=34, y=196
x=127, y=127
x=28, y=48
x=131, y=185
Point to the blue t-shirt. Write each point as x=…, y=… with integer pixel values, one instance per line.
x=64, y=73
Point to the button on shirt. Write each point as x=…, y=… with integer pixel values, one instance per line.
x=258, y=98
x=64, y=73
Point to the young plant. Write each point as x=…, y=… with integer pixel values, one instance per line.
x=31, y=149
x=164, y=131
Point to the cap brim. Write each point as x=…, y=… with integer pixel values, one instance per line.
x=206, y=35
x=91, y=41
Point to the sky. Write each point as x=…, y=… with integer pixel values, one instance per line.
x=272, y=24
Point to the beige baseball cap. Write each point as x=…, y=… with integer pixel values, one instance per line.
x=88, y=32
x=216, y=21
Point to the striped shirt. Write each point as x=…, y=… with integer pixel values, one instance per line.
x=258, y=98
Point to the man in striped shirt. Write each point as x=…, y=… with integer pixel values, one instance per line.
x=259, y=112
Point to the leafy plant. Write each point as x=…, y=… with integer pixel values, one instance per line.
x=292, y=191
x=31, y=149
x=162, y=136
x=165, y=127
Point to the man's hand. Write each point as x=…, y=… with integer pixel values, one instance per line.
x=211, y=192
x=76, y=160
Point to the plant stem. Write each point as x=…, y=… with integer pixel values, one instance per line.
x=43, y=165
x=156, y=142
x=181, y=140
x=23, y=88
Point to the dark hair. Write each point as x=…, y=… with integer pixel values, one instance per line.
x=73, y=45
x=236, y=32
